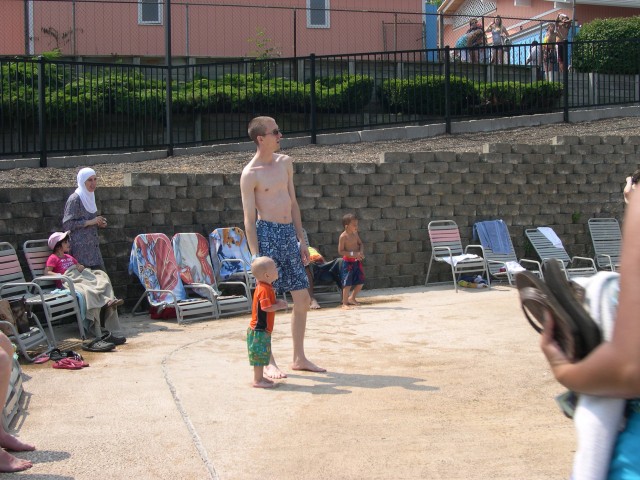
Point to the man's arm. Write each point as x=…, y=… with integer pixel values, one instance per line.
x=295, y=212
x=248, y=192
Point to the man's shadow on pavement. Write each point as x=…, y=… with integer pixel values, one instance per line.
x=335, y=383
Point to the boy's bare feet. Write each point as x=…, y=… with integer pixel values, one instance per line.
x=14, y=444
x=272, y=371
x=264, y=383
x=307, y=366
x=9, y=463
x=314, y=304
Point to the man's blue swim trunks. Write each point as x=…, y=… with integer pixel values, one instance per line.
x=280, y=242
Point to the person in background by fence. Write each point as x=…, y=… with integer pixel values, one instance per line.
x=549, y=49
x=468, y=45
x=9, y=463
x=535, y=59
x=499, y=37
x=563, y=23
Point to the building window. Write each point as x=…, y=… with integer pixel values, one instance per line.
x=318, y=13
x=150, y=12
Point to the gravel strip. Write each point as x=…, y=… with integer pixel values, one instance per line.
x=111, y=175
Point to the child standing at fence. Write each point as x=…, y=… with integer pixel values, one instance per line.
x=262, y=319
x=351, y=248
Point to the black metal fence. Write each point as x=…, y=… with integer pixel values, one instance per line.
x=92, y=107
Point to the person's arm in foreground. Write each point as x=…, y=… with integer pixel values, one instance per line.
x=612, y=369
x=248, y=192
x=295, y=213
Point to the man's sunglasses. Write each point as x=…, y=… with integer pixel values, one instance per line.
x=274, y=132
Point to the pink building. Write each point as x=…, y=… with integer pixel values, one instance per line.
x=525, y=19
x=211, y=28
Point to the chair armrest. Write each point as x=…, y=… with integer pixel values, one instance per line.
x=172, y=300
x=477, y=247
x=446, y=249
x=26, y=285
x=607, y=259
x=532, y=262
x=585, y=259
x=211, y=293
x=66, y=281
x=244, y=285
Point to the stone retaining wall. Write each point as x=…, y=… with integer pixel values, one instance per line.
x=561, y=185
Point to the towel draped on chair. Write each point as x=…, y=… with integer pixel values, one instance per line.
x=494, y=235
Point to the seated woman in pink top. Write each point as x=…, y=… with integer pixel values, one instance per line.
x=94, y=285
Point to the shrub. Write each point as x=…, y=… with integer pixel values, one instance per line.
x=541, y=95
x=425, y=95
x=343, y=93
x=608, y=46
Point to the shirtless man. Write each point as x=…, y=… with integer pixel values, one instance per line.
x=266, y=185
x=9, y=463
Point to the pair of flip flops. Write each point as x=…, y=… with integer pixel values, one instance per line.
x=575, y=331
x=67, y=360
x=69, y=364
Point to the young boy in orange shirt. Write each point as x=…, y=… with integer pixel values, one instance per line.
x=262, y=319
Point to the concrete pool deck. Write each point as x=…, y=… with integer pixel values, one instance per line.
x=421, y=383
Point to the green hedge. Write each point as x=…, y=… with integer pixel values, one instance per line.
x=425, y=95
x=117, y=90
x=608, y=46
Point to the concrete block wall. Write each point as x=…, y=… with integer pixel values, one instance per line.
x=561, y=185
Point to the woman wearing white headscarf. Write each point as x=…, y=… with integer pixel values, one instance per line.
x=81, y=219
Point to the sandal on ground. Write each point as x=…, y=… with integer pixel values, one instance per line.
x=111, y=338
x=98, y=345
x=42, y=358
x=536, y=299
x=66, y=364
x=571, y=296
x=56, y=355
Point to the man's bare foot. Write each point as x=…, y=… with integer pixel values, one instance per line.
x=264, y=383
x=314, y=304
x=13, y=444
x=346, y=307
x=9, y=463
x=353, y=301
x=272, y=371
x=307, y=366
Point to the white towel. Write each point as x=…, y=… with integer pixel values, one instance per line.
x=597, y=420
x=514, y=267
x=551, y=236
x=459, y=258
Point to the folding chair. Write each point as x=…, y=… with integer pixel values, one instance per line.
x=230, y=256
x=607, y=240
x=194, y=262
x=152, y=260
x=498, y=251
x=29, y=340
x=12, y=402
x=549, y=246
x=446, y=246
x=56, y=303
